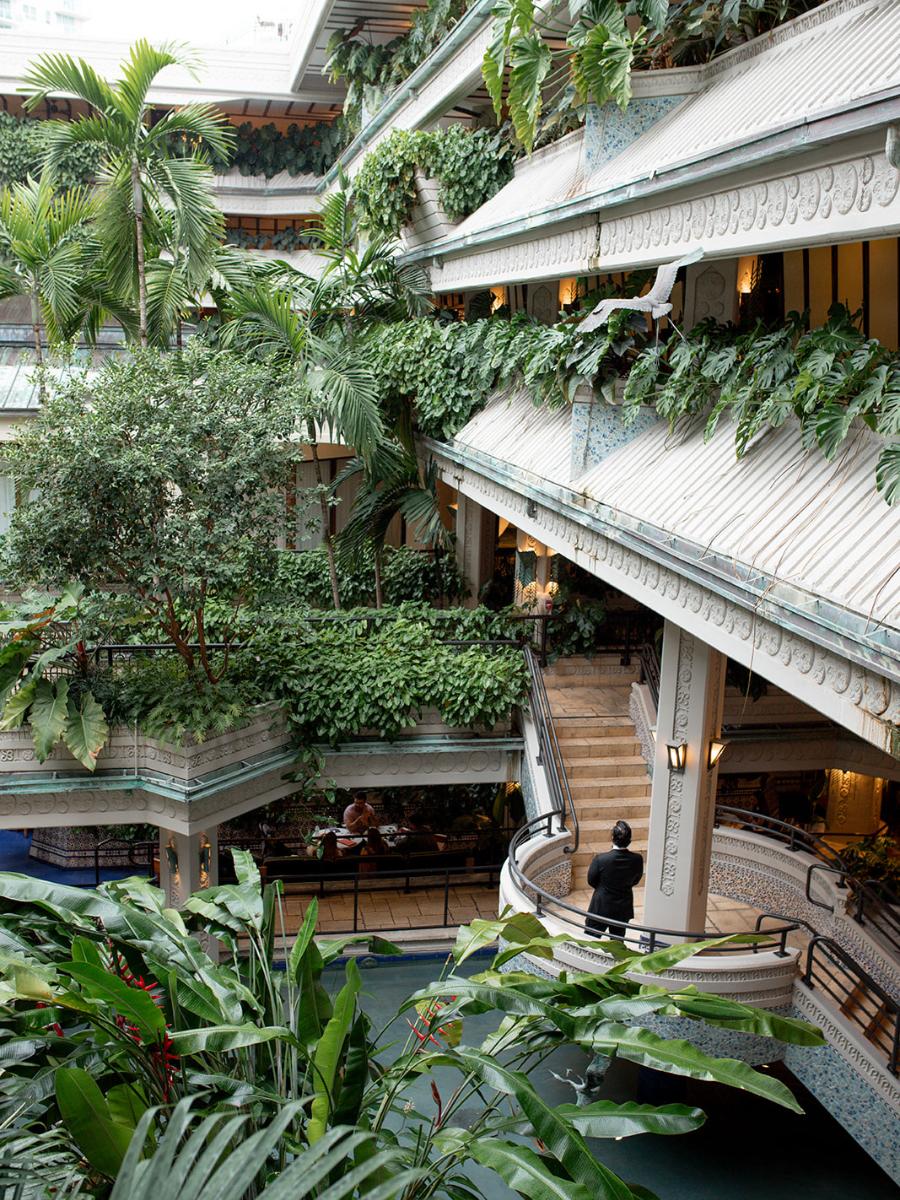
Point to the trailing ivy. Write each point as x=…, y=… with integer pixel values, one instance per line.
x=22, y=147
x=470, y=165
x=827, y=378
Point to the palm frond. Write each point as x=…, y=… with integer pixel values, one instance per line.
x=57, y=74
x=194, y=121
x=139, y=71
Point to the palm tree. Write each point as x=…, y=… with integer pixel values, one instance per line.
x=335, y=390
x=45, y=251
x=142, y=172
x=392, y=485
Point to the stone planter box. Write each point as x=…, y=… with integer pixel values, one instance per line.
x=128, y=750
x=429, y=221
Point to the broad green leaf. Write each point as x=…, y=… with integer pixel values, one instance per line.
x=48, y=715
x=329, y=1053
x=17, y=706
x=887, y=474
x=607, y=1119
x=130, y=1002
x=304, y=937
x=87, y=1117
x=658, y=961
x=480, y=933
x=225, y=1037
x=679, y=1057
x=86, y=730
x=524, y=1171
x=529, y=63
x=126, y=1105
x=731, y=1014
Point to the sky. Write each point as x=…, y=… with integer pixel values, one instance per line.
x=200, y=22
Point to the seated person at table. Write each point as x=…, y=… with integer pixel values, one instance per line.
x=417, y=837
x=359, y=814
x=373, y=847
x=328, y=849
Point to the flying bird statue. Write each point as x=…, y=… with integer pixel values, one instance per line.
x=655, y=302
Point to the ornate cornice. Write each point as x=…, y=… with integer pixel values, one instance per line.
x=864, y=189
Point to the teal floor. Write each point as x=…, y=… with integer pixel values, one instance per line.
x=747, y=1150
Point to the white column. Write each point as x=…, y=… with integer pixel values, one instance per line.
x=187, y=863
x=682, y=804
x=475, y=538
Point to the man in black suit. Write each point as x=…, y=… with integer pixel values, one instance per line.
x=612, y=876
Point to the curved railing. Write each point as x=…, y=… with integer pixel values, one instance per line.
x=645, y=937
x=868, y=903
x=550, y=755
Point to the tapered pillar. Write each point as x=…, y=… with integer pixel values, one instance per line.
x=682, y=803
x=476, y=534
x=187, y=863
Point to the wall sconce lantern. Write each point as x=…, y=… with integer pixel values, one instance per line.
x=677, y=756
x=716, y=749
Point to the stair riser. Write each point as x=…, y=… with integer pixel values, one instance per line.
x=623, y=747
x=579, y=771
x=603, y=789
x=587, y=726
x=614, y=679
x=583, y=743
x=614, y=810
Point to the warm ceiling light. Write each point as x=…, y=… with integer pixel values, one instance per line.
x=716, y=749
x=677, y=755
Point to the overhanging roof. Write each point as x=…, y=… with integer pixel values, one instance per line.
x=781, y=518
x=830, y=74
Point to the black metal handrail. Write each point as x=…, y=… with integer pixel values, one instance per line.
x=859, y=997
x=649, y=937
x=869, y=903
x=550, y=755
x=649, y=661
x=452, y=877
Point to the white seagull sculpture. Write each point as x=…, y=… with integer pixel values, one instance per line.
x=655, y=302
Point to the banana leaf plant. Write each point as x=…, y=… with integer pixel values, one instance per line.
x=41, y=655
x=130, y=1053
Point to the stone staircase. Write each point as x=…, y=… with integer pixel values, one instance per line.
x=607, y=775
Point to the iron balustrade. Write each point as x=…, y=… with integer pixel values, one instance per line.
x=451, y=877
x=869, y=903
x=859, y=998
x=550, y=755
x=649, y=661
x=647, y=937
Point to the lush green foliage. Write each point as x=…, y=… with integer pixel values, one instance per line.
x=407, y=575
x=281, y=239
x=874, y=860
x=299, y=149
x=535, y=61
x=160, y=476
x=156, y=207
x=470, y=165
x=449, y=370
x=825, y=378
x=40, y=659
x=116, y=1028
x=336, y=680
x=369, y=69
x=23, y=147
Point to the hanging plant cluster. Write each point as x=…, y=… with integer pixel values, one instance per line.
x=470, y=166
x=22, y=147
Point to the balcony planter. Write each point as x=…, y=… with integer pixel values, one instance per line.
x=428, y=222
x=432, y=725
x=129, y=750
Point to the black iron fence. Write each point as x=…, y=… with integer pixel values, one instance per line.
x=859, y=998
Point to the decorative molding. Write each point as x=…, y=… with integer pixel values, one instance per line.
x=545, y=255
x=675, y=779
x=640, y=716
x=781, y=209
x=851, y=694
